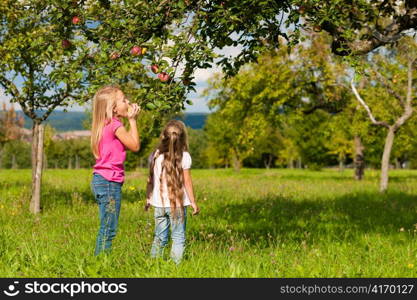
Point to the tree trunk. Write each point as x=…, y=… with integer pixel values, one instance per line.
x=35, y=130
x=56, y=164
x=69, y=162
x=290, y=164
x=268, y=162
x=77, y=162
x=299, y=164
x=397, y=163
x=237, y=163
x=341, y=165
x=37, y=161
x=14, y=163
x=1, y=158
x=359, y=161
x=389, y=140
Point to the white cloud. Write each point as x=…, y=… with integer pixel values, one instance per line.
x=202, y=75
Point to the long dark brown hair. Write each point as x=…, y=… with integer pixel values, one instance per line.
x=172, y=143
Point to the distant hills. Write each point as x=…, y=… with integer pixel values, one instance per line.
x=195, y=120
x=60, y=120
x=73, y=120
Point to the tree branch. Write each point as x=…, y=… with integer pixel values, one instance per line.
x=408, y=109
x=372, y=38
x=388, y=86
x=359, y=98
x=9, y=85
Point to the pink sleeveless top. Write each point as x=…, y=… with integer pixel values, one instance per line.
x=112, y=154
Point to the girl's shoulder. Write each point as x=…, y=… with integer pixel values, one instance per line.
x=186, y=160
x=113, y=124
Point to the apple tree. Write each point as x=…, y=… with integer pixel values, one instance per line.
x=388, y=98
x=56, y=53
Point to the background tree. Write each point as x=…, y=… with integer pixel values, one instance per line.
x=387, y=71
x=10, y=128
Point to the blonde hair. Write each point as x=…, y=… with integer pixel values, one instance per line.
x=104, y=102
x=172, y=144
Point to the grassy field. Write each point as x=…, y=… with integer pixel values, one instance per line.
x=256, y=223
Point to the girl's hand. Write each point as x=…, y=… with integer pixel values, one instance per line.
x=147, y=204
x=133, y=111
x=195, y=208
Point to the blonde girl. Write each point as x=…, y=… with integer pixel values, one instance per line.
x=109, y=140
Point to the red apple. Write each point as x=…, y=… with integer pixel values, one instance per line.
x=163, y=76
x=301, y=10
x=154, y=68
x=317, y=28
x=136, y=50
x=66, y=44
x=75, y=20
x=115, y=55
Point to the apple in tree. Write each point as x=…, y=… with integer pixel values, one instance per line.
x=75, y=20
x=144, y=49
x=114, y=55
x=136, y=50
x=66, y=44
x=154, y=68
x=301, y=10
x=163, y=76
x=317, y=28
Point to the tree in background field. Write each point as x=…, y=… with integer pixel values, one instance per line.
x=10, y=129
x=198, y=143
x=390, y=95
x=280, y=84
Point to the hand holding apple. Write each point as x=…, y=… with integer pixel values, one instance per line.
x=132, y=111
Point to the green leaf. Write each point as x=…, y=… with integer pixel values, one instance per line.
x=150, y=106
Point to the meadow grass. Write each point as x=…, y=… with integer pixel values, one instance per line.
x=255, y=223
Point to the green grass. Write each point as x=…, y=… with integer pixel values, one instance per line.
x=256, y=223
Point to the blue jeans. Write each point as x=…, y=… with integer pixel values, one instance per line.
x=164, y=221
x=108, y=196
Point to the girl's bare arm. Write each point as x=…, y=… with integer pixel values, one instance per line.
x=188, y=184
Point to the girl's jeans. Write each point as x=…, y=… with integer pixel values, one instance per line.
x=163, y=222
x=108, y=196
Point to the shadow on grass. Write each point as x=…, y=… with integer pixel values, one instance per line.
x=343, y=177
x=52, y=196
x=273, y=219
